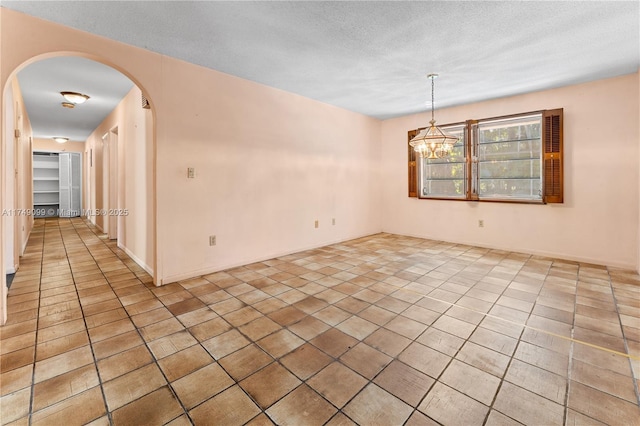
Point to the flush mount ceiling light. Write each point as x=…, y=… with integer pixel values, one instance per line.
x=74, y=97
x=60, y=139
x=433, y=142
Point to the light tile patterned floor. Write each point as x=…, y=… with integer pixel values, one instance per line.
x=383, y=330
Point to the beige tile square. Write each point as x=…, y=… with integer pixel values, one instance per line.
x=124, y=362
x=448, y=406
x=61, y=330
x=196, y=317
x=171, y=344
x=190, y=388
x=334, y=342
x=287, y=316
x=357, y=327
x=131, y=386
x=527, y=407
x=404, y=382
x=543, y=358
x=16, y=379
x=305, y=361
x=496, y=418
x=485, y=359
x=603, y=380
x=365, y=360
x=62, y=363
x=287, y=411
x=454, y=326
x=309, y=327
x=15, y=406
x=67, y=412
x=65, y=385
x=537, y=380
x=245, y=362
x=471, y=381
x=423, y=315
x=325, y=383
x=332, y=315
x=114, y=345
x=184, y=362
x=280, y=343
x=406, y=327
x=158, y=407
x=340, y=419
x=231, y=407
x=225, y=343
x=259, y=328
x=269, y=384
x=387, y=341
x=424, y=359
x=374, y=405
x=62, y=344
x=161, y=329
x=111, y=329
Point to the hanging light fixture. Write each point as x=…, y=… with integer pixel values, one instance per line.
x=74, y=97
x=433, y=142
x=60, y=139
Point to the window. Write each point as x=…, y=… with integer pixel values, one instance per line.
x=516, y=158
x=446, y=177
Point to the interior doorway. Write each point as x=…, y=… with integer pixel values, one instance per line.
x=128, y=128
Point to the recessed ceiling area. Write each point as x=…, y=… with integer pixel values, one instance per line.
x=373, y=57
x=42, y=82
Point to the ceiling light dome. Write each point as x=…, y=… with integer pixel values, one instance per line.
x=75, y=97
x=60, y=139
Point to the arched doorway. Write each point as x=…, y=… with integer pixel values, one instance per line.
x=124, y=142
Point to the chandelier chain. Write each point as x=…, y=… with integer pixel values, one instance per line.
x=432, y=99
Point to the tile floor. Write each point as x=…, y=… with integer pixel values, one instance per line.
x=383, y=330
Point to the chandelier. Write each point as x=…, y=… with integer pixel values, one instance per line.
x=433, y=142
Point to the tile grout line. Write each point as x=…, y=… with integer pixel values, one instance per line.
x=515, y=349
x=35, y=349
x=84, y=318
x=155, y=360
x=624, y=339
x=567, y=394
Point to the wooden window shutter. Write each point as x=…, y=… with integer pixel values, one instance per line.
x=413, y=170
x=552, y=145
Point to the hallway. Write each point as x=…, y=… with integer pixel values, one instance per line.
x=384, y=330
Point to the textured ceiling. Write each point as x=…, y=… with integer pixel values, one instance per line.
x=42, y=82
x=373, y=57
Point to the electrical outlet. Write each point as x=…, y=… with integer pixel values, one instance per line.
x=191, y=173
x=317, y=224
x=333, y=221
x=212, y=240
x=481, y=223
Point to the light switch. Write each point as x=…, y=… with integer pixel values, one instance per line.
x=191, y=173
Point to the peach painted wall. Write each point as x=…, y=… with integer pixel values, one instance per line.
x=135, y=176
x=16, y=155
x=268, y=163
x=598, y=221
x=18, y=187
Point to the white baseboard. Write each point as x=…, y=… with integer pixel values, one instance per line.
x=136, y=259
x=205, y=271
